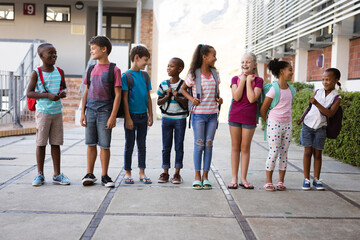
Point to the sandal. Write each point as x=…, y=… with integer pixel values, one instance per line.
x=145, y=180
x=281, y=186
x=246, y=185
x=197, y=185
x=232, y=185
x=207, y=185
x=128, y=180
x=269, y=187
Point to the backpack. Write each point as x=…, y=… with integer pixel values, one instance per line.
x=191, y=107
x=275, y=100
x=31, y=102
x=164, y=110
x=130, y=82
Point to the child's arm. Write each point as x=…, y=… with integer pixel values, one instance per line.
x=195, y=101
x=111, y=123
x=150, y=119
x=238, y=90
x=162, y=100
x=62, y=94
x=129, y=122
x=83, y=108
x=219, y=100
x=181, y=100
x=252, y=94
x=264, y=107
x=30, y=92
x=327, y=112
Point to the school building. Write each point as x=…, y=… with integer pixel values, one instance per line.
x=68, y=25
x=312, y=35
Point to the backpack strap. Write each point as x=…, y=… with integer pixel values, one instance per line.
x=169, y=100
x=41, y=78
x=292, y=89
x=198, y=83
x=88, y=75
x=111, y=79
x=214, y=73
x=130, y=82
x=147, y=78
x=276, y=98
x=62, y=83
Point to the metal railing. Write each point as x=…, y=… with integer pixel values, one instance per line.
x=13, y=85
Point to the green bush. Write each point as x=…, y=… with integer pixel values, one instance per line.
x=346, y=147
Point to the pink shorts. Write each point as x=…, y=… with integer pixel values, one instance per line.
x=50, y=127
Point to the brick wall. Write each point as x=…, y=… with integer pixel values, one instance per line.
x=354, y=59
x=146, y=35
x=291, y=60
x=314, y=72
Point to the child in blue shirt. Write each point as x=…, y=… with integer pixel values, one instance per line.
x=174, y=112
x=48, y=116
x=138, y=112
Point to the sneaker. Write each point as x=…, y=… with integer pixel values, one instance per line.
x=61, y=179
x=318, y=184
x=164, y=177
x=39, y=180
x=176, y=179
x=89, y=179
x=306, y=184
x=107, y=182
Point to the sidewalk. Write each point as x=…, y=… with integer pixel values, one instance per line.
x=160, y=211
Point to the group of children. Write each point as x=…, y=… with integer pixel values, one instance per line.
x=109, y=92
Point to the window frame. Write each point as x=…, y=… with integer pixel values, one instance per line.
x=7, y=4
x=56, y=5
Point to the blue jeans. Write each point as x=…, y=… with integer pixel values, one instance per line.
x=204, y=127
x=140, y=130
x=96, y=132
x=169, y=126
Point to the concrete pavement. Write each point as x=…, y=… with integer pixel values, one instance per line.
x=160, y=211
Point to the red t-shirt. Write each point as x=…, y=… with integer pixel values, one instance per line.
x=243, y=111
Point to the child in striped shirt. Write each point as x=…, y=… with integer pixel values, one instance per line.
x=48, y=116
x=205, y=111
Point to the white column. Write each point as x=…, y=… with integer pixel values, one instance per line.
x=260, y=68
x=340, y=57
x=138, y=21
x=100, y=17
x=301, y=59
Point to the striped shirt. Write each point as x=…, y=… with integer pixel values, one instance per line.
x=208, y=104
x=52, y=82
x=174, y=111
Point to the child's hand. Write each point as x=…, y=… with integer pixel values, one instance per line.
x=298, y=121
x=313, y=101
x=129, y=124
x=219, y=100
x=168, y=92
x=150, y=121
x=53, y=97
x=243, y=77
x=83, y=120
x=111, y=123
x=175, y=93
x=250, y=78
x=62, y=94
x=195, y=101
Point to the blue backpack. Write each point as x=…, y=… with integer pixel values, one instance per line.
x=275, y=100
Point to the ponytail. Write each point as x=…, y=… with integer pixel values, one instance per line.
x=275, y=66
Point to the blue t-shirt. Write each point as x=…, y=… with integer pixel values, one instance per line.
x=138, y=102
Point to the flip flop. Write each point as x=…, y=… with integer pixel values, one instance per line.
x=232, y=185
x=208, y=183
x=269, y=187
x=246, y=185
x=145, y=180
x=197, y=185
x=128, y=180
x=281, y=186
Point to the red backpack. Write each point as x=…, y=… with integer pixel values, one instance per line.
x=31, y=102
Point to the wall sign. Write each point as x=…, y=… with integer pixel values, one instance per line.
x=29, y=8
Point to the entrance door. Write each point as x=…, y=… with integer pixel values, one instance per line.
x=119, y=27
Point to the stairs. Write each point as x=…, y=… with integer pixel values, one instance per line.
x=72, y=100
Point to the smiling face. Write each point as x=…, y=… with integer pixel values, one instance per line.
x=329, y=81
x=48, y=54
x=210, y=58
x=173, y=68
x=141, y=62
x=97, y=52
x=287, y=73
x=248, y=65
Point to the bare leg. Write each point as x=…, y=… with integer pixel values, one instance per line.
x=105, y=160
x=235, y=133
x=91, y=158
x=40, y=158
x=282, y=175
x=247, y=135
x=317, y=163
x=269, y=175
x=55, y=154
x=307, y=161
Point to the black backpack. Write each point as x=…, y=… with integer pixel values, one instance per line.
x=164, y=110
x=334, y=123
x=130, y=83
x=110, y=80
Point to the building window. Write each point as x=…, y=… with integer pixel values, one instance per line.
x=57, y=13
x=7, y=11
x=118, y=27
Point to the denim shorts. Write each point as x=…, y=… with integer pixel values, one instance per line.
x=96, y=132
x=315, y=138
x=243, y=125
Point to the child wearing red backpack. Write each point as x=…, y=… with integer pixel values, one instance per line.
x=45, y=85
x=325, y=103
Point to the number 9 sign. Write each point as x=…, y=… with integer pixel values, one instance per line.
x=29, y=8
